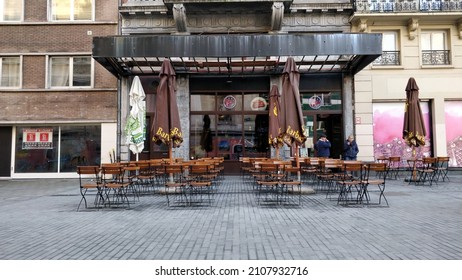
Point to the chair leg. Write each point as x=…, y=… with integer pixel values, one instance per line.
x=82, y=193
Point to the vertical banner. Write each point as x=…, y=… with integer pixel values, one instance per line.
x=37, y=138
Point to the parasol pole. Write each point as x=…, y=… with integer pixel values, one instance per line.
x=414, y=170
x=170, y=152
x=297, y=161
x=170, y=144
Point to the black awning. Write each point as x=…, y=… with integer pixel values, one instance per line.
x=253, y=54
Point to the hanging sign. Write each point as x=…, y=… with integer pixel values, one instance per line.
x=315, y=102
x=258, y=104
x=229, y=102
x=37, y=138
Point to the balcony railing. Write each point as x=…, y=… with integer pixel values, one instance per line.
x=396, y=6
x=388, y=58
x=435, y=58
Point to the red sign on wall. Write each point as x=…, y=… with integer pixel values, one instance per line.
x=37, y=138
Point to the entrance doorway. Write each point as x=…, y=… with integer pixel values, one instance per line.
x=5, y=151
x=331, y=126
x=229, y=119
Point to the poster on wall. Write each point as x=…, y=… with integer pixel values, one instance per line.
x=388, y=131
x=37, y=138
x=453, y=112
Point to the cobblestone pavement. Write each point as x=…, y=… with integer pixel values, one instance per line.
x=39, y=221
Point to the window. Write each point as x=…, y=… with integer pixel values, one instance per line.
x=10, y=71
x=71, y=10
x=434, y=47
x=70, y=71
x=390, y=50
x=11, y=10
x=51, y=149
x=387, y=122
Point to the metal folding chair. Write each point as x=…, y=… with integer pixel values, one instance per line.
x=442, y=168
x=375, y=175
x=90, y=183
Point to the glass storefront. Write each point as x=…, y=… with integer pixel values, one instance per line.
x=453, y=117
x=388, y=121
x=51, y=149
x=229, y=125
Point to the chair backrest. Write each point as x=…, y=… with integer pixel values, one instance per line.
x=352, y=166
x=330, y=163
x=113, y=173
x=376, y=169
x=268, y=167
x=443, y=162
x=199, y=168
x=394, y=161
x=132, y=171
x=173, y=168
x=86, y=171
x=351, y=170
x=429, y=162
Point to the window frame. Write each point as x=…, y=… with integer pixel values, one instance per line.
x=71, y=13
x=396, y=48
x=446, y=46
x=2, y=11
x=19, y=72
x=71, y=72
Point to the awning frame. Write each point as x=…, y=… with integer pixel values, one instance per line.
x=237, y=54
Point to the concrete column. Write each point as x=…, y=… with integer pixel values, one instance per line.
x=123, y=110
x=183, y=101
x=348, y=105
x=439, y=127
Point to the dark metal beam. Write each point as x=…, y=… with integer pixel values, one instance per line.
x=366, y=46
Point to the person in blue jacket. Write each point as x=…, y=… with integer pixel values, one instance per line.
x=350, y=149
x=322, y=146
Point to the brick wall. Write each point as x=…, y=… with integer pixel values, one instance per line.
x=33, y=102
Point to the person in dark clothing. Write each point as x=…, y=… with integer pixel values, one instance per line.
x=322, y=146
x=350, y=149
x=206, y=140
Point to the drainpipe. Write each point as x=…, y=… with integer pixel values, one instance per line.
x=119, y=117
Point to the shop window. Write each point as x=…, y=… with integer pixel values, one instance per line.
x=70, y=71
x=390, y=49
x=54, y=149
x=10, y=69
x=11, y=10
x=434, y=47
x=388, y=119
x=70, y=10
x=453, y=119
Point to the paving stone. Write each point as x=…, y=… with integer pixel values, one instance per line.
x=40, y=221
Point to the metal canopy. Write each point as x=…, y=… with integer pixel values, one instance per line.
x=255, y=54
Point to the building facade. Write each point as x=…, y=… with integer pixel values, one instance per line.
x=227, y=55
x=421, y=39
x=58, y=107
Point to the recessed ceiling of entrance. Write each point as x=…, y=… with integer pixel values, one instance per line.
x=236, y=54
